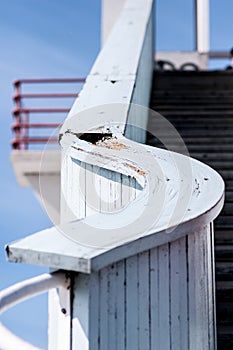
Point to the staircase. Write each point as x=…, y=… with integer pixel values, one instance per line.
x=200, y=106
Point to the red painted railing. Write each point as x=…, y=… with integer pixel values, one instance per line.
x=35, y=118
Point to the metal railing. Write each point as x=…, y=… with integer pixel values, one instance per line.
x=38, y=104
x=22, y=291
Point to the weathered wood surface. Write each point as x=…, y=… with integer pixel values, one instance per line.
x=91, y=251
x=162, y=302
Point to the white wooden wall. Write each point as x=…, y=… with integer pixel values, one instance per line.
x=161, y=299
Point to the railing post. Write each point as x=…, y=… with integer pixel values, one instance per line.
x=202, y=26
x=25, y=129
x=17, y=114
x=21, y=112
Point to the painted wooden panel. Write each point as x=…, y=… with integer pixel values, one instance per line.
x=211, y=285
x=201, y=290
x=103, y=309
x=94, y=311
x=80, y=314
x=131, y=303
x=198, y=317
x=161, y=299
x=179, y=304
x=154, y=298
x=58, y=323
x=111, y=330
x=120, y=305
x=143, y=301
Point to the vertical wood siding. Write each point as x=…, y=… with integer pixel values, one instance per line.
x=161, y=299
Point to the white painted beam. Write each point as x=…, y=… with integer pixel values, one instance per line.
x=202, y=26
x=114, y=77
x=111, y=10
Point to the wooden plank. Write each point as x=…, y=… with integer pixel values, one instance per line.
x=92, y=189
x=94, y=311
x=80, y=312
x=212, y=288
x=179, y=296
x=106, y=183
x=206, y=317
x=132, y=303
x=200, y=311
x=194, y=339
x=164, y=317
x=103, y=335
x=154, y=297
x=112, y=297
x=120, y=305
x=58, y=323
x=143, y=301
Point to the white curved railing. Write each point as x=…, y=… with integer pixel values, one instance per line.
x=9, y=341
x=20, y=292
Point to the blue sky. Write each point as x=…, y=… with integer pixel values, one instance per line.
x=58, y=38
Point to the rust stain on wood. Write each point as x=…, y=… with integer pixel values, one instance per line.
x=134, y=168
x=111, y=143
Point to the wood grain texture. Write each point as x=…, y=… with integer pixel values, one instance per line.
x=161, y=299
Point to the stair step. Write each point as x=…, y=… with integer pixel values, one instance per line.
x=224, y=220
x=187, y=133
x=186, y=94
x=194, y=147
x=188, y=113
x=224, y=253
x=207, y=120
x=224, y=311
x=223, y=236
x=213, y=156
x=225, y=342
x=193, y=99
x=227, y=329
x=192, y=107
x=224, y=271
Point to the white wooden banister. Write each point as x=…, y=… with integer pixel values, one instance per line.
x=121, y=74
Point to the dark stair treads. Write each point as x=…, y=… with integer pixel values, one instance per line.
x=200, y=106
